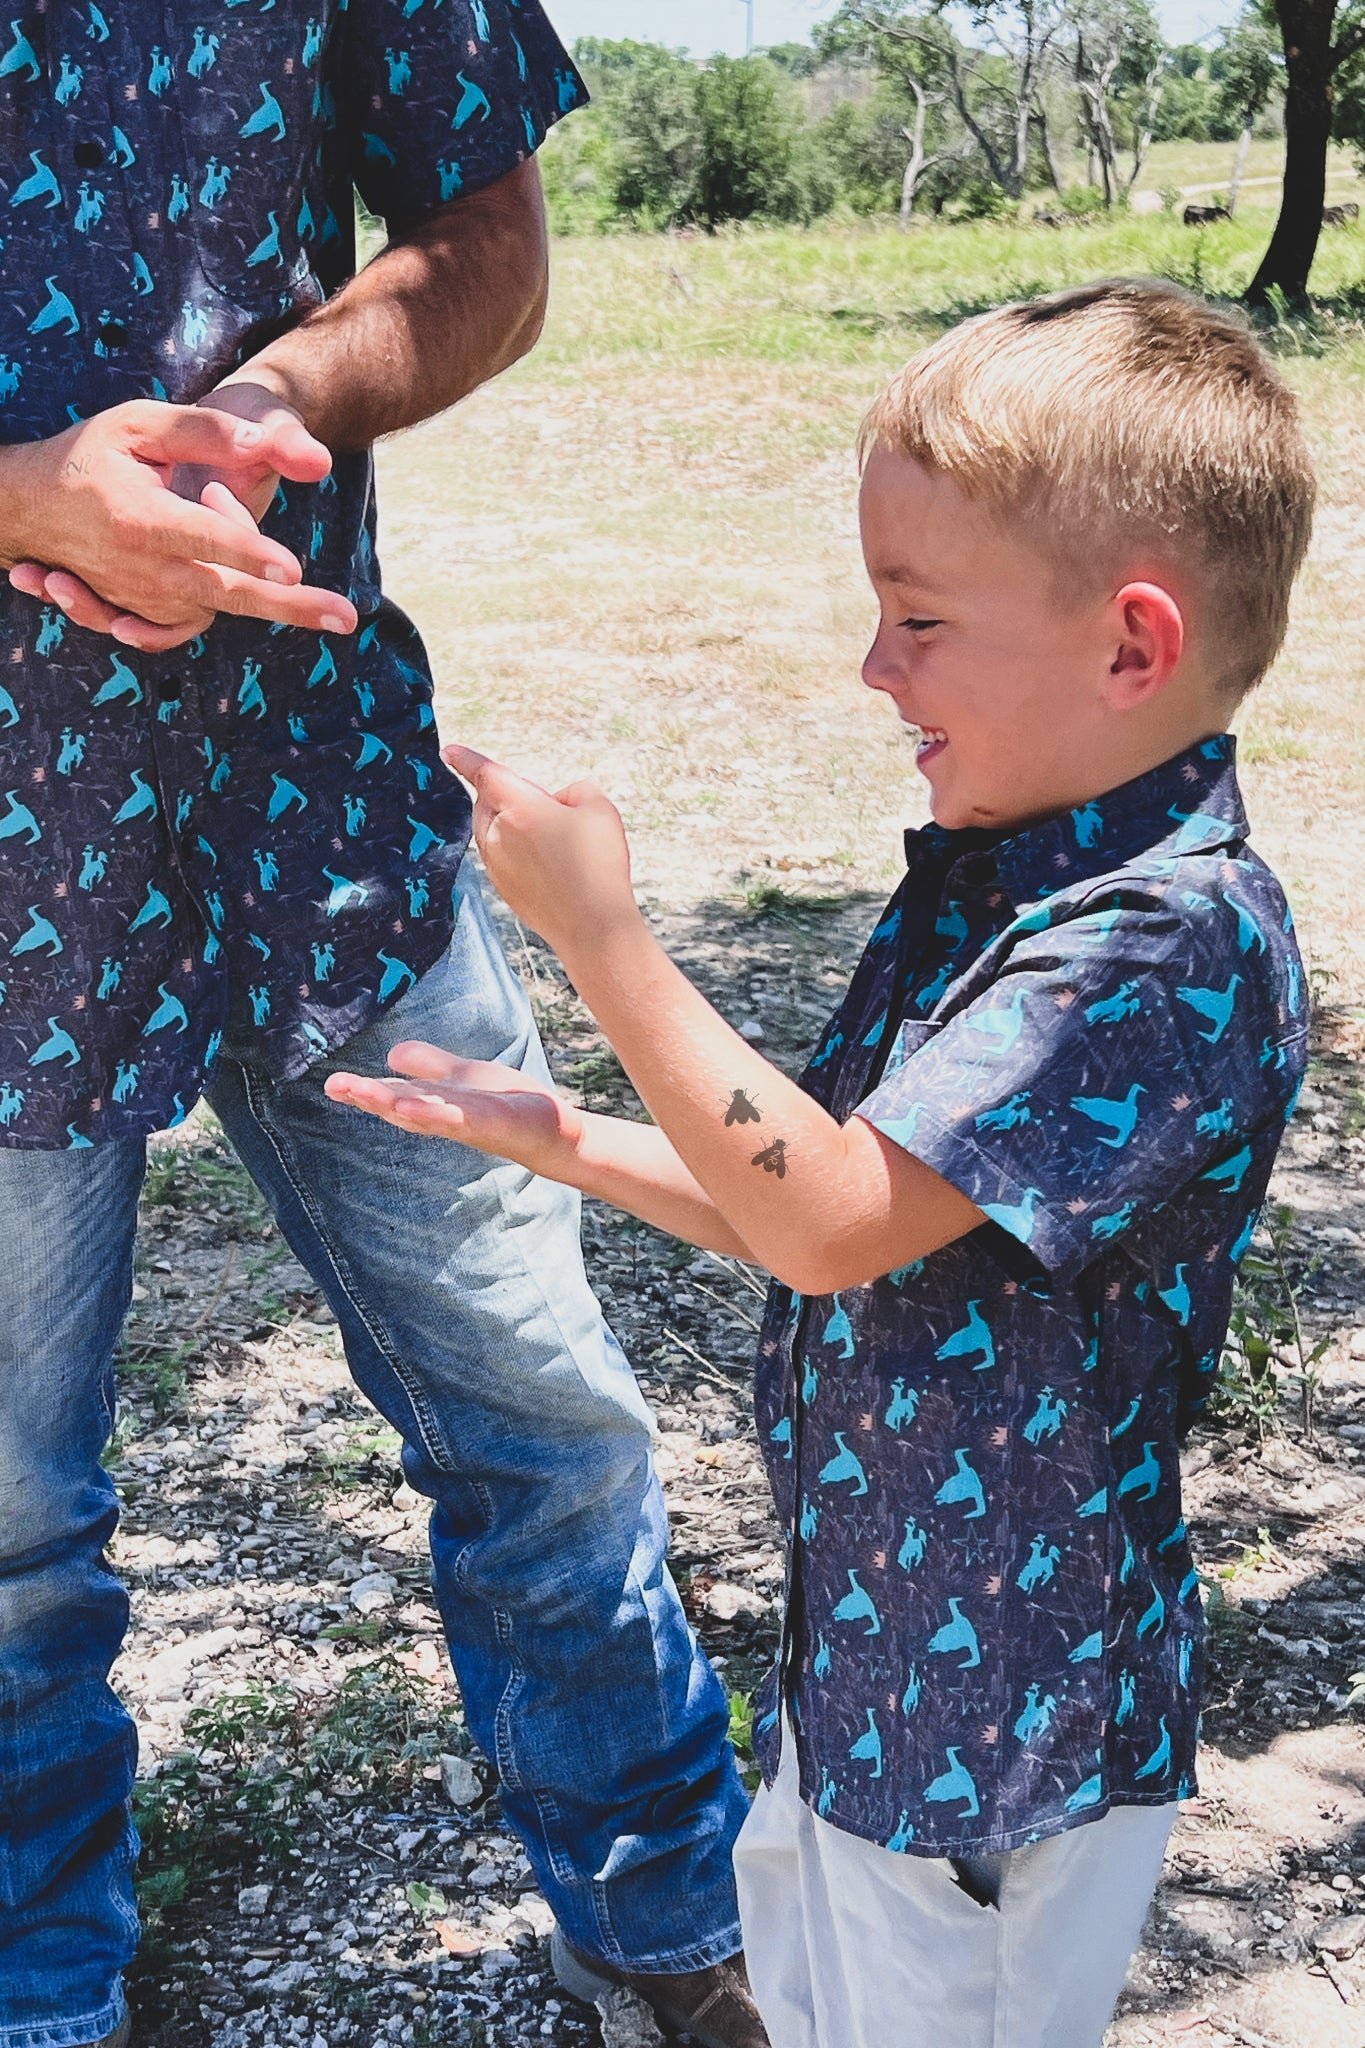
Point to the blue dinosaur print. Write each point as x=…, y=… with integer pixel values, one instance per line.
x=1144, y=1478
x=1014, y=1217
x=824, y=1661
x=1216, y=1006
x=972, y=1340
x=957, y=1634
x=963, y=1486
x=838, y=1330
x=956, y=1782
x=844, y=1466
x=58, y=1045
x=1119, y=1116
x=857, y=1605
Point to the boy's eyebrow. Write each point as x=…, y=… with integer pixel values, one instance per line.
x=904, y=578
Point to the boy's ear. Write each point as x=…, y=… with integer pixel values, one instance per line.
x=1151, y=640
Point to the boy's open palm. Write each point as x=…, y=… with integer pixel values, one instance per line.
x=560, y=862
x=478, y=1103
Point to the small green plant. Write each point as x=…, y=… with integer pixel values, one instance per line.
x=1254, y=1556
x=426, y=1902
x=742, y=1738
x=1266, y=1338
x=769, y=899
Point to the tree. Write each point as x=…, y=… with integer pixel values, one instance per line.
x=1250, y=68
x=995, y=87
x=748, y=138
x=1119, y=61
x=1320, y=39
x=914, y=72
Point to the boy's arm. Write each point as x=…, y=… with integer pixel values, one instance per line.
x=498, y=1110
x=822, y=1205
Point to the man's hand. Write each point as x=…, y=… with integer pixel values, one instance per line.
x=478, y=1103
x=561, y=862
x=92, y=522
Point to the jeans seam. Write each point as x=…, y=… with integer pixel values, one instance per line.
x=422, y=1414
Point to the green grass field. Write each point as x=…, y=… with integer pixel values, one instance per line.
x=636, y=555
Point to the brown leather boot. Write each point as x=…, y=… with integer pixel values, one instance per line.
x=715, y=2006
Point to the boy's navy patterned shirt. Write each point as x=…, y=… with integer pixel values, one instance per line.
x=1095, y=1029
x=253, y=834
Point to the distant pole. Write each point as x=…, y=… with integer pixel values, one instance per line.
x=749, y=31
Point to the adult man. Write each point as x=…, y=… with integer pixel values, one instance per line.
x=232, y=851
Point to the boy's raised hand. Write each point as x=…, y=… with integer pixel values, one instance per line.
x=560, y=862
x=478, y=1103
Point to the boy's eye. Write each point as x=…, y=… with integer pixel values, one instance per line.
x=920, y=625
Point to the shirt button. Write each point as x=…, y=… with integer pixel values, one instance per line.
x=88, y=155
x=113, y=333
x=168, y=689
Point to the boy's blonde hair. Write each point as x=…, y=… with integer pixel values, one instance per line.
x=1118, y=420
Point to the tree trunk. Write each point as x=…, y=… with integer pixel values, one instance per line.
x=1044, y=127
x=1310, y=61
x=1239, y=162
x=914, y=169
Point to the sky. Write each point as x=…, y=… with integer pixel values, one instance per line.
x=704, y=26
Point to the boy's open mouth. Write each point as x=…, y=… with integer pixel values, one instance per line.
x=929, y=745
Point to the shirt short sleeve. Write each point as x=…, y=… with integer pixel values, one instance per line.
x=1112, y=1061
x=446, y=99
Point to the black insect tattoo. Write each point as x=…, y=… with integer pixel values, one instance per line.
x=741, y=1110
x=773, y=1158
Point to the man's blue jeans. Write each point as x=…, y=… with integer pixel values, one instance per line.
x=459, y=1287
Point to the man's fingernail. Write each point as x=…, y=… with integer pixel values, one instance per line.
x=275, y=572
x=247, y=434
x=334, y=622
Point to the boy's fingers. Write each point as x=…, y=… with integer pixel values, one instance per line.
x=582, y=793
x=397, y=1102
x=466, y=762
x=425, y=1062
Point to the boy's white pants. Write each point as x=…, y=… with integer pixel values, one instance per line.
x=853, y=1946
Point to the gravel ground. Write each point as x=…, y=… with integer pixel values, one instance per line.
x=325, y=1861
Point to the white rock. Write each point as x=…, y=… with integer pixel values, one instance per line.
x=727, y=1602
x=627, y=2022
x=255, y=1900
x=374, y=1592
x=753, y=1034
x=288, y=1978
x=410, y=1839
x=460, y=1781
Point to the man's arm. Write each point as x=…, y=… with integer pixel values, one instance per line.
x=437, y=314
x=444, y=308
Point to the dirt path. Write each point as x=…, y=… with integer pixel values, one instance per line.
x=323, y=1886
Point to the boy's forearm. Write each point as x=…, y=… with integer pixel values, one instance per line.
x=636, y=1168
x=821, y=1205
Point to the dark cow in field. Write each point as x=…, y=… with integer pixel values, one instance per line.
x=1339, y=216
x=1200, y=216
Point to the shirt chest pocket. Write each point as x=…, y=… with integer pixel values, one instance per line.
x=252, y=119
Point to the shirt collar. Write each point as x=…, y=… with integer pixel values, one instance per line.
x=1190, y=804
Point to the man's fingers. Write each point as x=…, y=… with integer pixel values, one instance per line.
x=218, y=498
x=194, y=533
x=189, y=433
x=140, y=633
x=582, y=793
x=317, y=611
x=291, y=450
x=30, y=577
x=82, y=605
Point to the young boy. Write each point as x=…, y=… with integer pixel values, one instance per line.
x=1004, y=1205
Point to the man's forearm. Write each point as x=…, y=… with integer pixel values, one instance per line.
x=435, y=315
